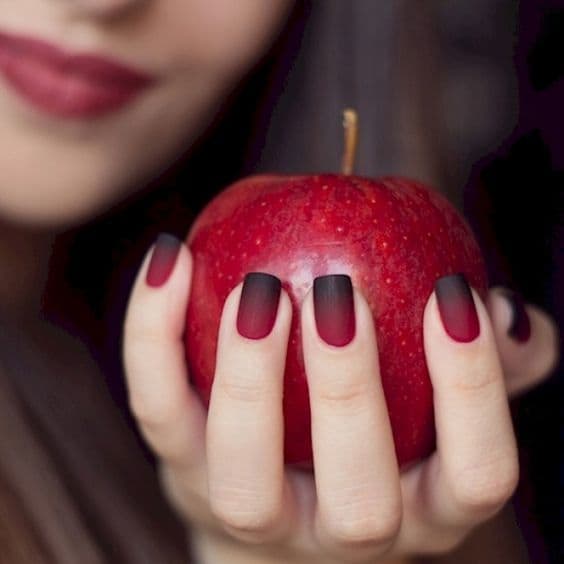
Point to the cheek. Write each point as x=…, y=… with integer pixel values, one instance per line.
x=222, y=35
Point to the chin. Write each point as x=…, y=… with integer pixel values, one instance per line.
x=43, y=217
x=56, y=208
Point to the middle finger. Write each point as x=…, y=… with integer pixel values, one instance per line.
x=356, y=472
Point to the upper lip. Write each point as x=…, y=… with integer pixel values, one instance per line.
x=90, y=67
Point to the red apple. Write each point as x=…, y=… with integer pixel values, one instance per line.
x=393, y=236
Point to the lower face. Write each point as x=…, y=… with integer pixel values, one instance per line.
x=92, y=107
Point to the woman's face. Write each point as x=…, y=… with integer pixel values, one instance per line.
x=98, y=95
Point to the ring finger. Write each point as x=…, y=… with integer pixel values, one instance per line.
x=474, y=470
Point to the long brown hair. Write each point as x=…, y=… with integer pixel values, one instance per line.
x=73, y=483
x=76, y=484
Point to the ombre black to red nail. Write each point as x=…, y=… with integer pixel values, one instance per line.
x=520, y=326
x=457, y=308
x=258, y=305
x=163, y=260
x=333, y=302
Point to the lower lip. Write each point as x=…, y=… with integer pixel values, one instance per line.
x=38, y=73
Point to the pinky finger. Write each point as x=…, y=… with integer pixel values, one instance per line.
x=168, y=412
x=526, y=339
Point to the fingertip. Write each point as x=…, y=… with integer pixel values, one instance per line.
x=527, y=340
x=255, y=310
x=465, y=364
x=159, y=297
x=167, y=259
x=509, y=315
x=335, y=322
x=457, y=316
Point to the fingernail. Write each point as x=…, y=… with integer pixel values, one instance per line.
x=258, y=305
x=457, y=308
x=520, y=326
x=163, y=260
x=334, y=309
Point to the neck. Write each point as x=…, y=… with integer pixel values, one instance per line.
x=24, y=259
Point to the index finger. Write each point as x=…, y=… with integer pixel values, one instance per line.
x=168, y=411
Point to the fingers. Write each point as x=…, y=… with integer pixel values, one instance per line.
x=475, y=468
x=248, y=492
x=170, y=415
x=527, y=340
x=356, y=473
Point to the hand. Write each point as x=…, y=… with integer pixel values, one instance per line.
x=225, y=475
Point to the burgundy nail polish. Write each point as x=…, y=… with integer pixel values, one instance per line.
x=258, y=305
x=334, y=309
x=457, y=309
x=163, y=260
x=520, y=326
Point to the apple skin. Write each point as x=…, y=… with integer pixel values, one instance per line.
x=394, y=237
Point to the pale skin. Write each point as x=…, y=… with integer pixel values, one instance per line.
x=224, y=473
x=236, y=497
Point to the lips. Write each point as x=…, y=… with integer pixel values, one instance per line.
x=68, y=85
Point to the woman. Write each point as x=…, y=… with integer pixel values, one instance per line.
x=80, y=133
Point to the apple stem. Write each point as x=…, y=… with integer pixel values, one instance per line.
x=350, y=125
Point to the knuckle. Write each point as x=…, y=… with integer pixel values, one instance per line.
x=244, y=387
x=142, y=349
x=241, y=509
x=476, y=379
x=486, y=488
x=373, y=530
x=343, y=392
x=150, y=411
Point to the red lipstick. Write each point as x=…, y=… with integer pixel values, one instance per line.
x=67, y=85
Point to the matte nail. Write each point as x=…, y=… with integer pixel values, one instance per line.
x=258, y=305
x=334, y=309
x=163, y=260
x=457, y=308
x=520, y=326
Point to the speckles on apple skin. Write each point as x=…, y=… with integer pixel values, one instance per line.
x=334, y=225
